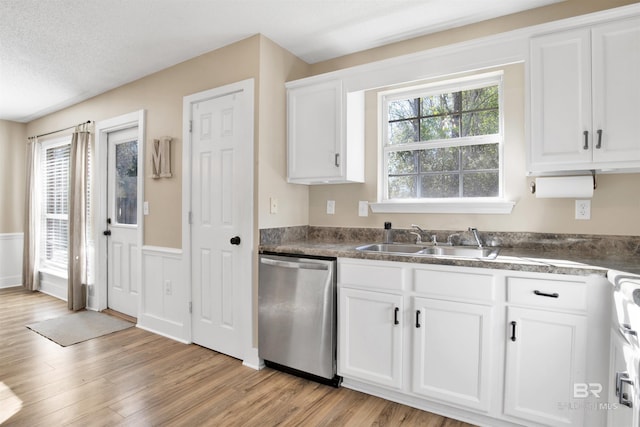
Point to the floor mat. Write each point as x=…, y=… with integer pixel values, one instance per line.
x=78, y=327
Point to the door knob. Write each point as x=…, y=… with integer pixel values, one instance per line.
x=107, y=232
x=235, y=240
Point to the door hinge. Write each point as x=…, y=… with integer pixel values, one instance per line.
x=190, y=126
x=190, y=307
x=190, y=217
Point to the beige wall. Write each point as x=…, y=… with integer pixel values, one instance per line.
x=13, y=139
x=276, y=67
x=615, y=205
x=161, y=95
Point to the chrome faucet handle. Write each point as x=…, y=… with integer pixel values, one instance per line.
x=434, y=240
x=417, y=227
x=451, y=238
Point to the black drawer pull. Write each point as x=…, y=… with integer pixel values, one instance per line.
x=599, y=144
x=395, y=316
x=513, y=331
x=543, y=294
x=417, y=318
x=586, y=140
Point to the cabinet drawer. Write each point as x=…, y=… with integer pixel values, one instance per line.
x=560, y=294
x=372, y=275
x=457, y=285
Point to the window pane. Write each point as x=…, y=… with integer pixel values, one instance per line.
x=480, y=99
x=402, y=187
x=404, y=109
x=403, y=132
x=439, y=105
x=440, y=159
x=127, y=182
x=56, y=242
x=444, y=127
x=480, y=157
x=480, y=123
x=56, y=180
x=481, y=184
x=401, y=162
x=445, y=185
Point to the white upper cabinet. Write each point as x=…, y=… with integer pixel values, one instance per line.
x=325, y=133
x=583, y=97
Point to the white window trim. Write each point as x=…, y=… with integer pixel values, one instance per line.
x=45, y=266
x=481, y=205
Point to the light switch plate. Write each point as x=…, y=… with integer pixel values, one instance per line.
x=331, y=207
x=145, y=208
x=363, y=208
x=273, y=205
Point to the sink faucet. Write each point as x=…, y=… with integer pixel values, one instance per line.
x=417, y=234
x=475, y=235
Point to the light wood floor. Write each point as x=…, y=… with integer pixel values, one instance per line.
x=136, y=378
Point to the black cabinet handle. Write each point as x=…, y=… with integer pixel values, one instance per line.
x=395, y=316
x=513, y=331
x=599, y=144
x=586, y=140
x=417, y=318
x=235, y=240
x=543, y=294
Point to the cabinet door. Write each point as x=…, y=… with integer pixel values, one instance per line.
x=560, y=71
x=370, y=336
x=314, y=132
x=452, y=351
x=616, y=91
x=546, y=356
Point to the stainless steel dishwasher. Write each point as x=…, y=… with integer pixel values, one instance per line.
x=297, y=316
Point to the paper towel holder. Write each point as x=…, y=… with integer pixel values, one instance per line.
x=532, y=184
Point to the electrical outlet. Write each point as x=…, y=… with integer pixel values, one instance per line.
x=273, y=202
x=363, y=208
x=331, y=207
x=583, y=209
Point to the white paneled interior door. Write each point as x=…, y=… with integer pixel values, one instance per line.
x=221, y=200
x=123, y=289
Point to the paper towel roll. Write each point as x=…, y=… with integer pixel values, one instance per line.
x=574, y=187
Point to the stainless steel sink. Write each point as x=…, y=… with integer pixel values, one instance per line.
x=461, y=251
x=433, y=251
x=396, y=248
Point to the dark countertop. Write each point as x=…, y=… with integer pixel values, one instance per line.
x=532, y=260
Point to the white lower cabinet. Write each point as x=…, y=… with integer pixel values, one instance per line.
x=451, y=352
x=490, y=347
x=370, y=337
x=545, y=359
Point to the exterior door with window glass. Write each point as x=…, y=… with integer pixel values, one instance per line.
x=123, y=288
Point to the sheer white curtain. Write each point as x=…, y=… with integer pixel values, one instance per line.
x=30, y=258
x=79, y=218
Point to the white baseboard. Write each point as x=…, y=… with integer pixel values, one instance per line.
x=11, y=259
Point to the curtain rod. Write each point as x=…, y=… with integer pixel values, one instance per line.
x=60, y=130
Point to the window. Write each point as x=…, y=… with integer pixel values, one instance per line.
x=442, y=145
x=55, y=203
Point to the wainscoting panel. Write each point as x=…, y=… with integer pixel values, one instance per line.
x=11, y=259
x=164, y=307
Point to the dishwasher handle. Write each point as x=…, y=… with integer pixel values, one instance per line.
x=294, y=264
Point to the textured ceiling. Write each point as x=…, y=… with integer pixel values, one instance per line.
x=55, y=53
